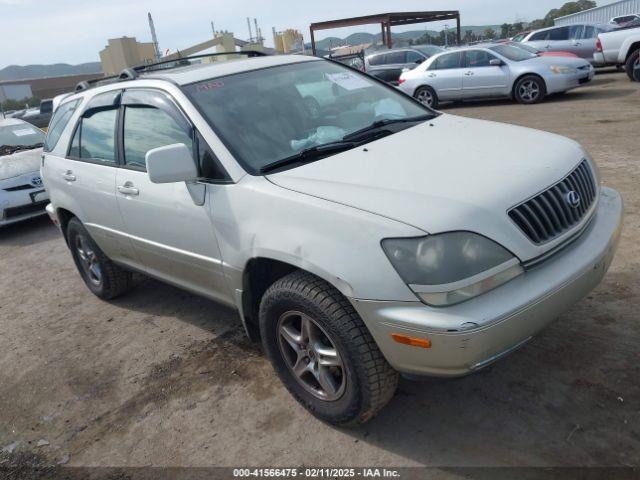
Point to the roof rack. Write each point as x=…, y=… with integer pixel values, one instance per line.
x=132, y=73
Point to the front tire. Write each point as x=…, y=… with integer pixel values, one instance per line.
x=529, y=89
x=104, y=278
x=427, y=96
x=632, y=61
x=322, y=351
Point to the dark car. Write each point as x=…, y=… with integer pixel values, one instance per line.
x=387, y=65
x=39, y=117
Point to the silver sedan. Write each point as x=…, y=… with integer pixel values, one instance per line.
x=492, y=72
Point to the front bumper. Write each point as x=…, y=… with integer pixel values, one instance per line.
x=563, y=82
x=473, y=334
x=21, y=198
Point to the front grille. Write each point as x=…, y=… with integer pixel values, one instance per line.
x=550, y=213
x=24, y=210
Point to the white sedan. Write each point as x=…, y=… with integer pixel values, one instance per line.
x=22, y=194
x=492, y=72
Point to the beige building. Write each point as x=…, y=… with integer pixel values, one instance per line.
x=287, y=41
x=124, y=52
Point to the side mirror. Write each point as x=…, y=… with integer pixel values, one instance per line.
x=495, y=62
x=419, y=61
x=171, y=164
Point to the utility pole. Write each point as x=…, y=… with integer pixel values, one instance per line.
x=213, y=29
x=154, y=38
x=446, y=36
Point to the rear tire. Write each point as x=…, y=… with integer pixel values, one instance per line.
x=323, y=352
x=427, y=96
x=104, y=278
x=632, y=61
x=529, y=89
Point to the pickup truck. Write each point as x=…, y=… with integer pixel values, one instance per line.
x=619, y=47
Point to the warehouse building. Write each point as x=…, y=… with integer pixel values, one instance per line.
x=601, y=14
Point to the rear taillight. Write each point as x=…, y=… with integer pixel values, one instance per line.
x=598, y=45
x=401, y=81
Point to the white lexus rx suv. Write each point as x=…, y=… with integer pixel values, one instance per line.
x=358, y=233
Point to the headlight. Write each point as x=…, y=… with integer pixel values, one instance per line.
x=451, y=267
x=562, y=69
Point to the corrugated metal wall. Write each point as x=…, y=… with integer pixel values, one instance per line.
x=602, y=14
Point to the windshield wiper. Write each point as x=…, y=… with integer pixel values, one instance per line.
x=309, y=155
x=9, y=149
x=383, y=123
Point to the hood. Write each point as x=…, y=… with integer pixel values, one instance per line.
x=19, y=163
x=558, y=60
x=450, y=173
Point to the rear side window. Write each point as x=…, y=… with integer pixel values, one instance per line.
x=558, y=34
x=58, y=123
x=146, y=128
x=414, y=57
x=589, y=32
x=445, y=62
x=396, y=57
x=377, y=60
x=94, y=138
x=539, y=36
x=575, y=32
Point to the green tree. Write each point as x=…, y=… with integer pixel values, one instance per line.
x=489, y=34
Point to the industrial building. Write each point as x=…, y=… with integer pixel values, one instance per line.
x=42, y=87
x=601, y=14
x=288, y=41
x=124, y=52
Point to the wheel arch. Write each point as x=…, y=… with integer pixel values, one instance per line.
x=260, y=272
x=527, y=74
x=634, y=47
x=64, y=216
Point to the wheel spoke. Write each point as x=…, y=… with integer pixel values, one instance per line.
x=327, y=357
x=306, y=329
x=326, y=380
x=291, y=336
x=301, y=366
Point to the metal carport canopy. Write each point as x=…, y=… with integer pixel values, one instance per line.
x=387, y=20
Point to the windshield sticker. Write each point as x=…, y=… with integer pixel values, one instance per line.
x=22, y=132
x=209, y=86
x=348, y=81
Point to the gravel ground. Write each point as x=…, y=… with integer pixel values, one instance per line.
x=161, y=377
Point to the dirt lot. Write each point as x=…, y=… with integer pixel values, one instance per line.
x=161, y=377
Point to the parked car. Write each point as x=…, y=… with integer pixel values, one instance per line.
x=22, y=195
x=492, y=72
x=40, y=116
x=624, y=20
x=578, y=38
x=379, y=237
x=542, y=53
x=619, y=47
x=387, y=65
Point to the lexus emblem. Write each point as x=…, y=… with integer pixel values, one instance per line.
x=36, y=181
x=573, y=199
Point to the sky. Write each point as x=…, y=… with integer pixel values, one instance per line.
x=74, y=31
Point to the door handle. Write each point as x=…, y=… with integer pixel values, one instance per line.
x=128, y=189
x=468, y=74
x=69, y=176
x=431, y=75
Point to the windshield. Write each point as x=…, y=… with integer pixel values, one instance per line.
x=428, y=50
x=513, y=53
x=268, y=115
x=527, y=48
x=21, y=135
x=519, y=37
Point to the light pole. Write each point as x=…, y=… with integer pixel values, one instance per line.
x=446, y=36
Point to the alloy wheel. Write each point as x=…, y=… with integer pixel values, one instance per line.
x=88, y=260
x=311, y=356
x=425, y=97
x=529, y=90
